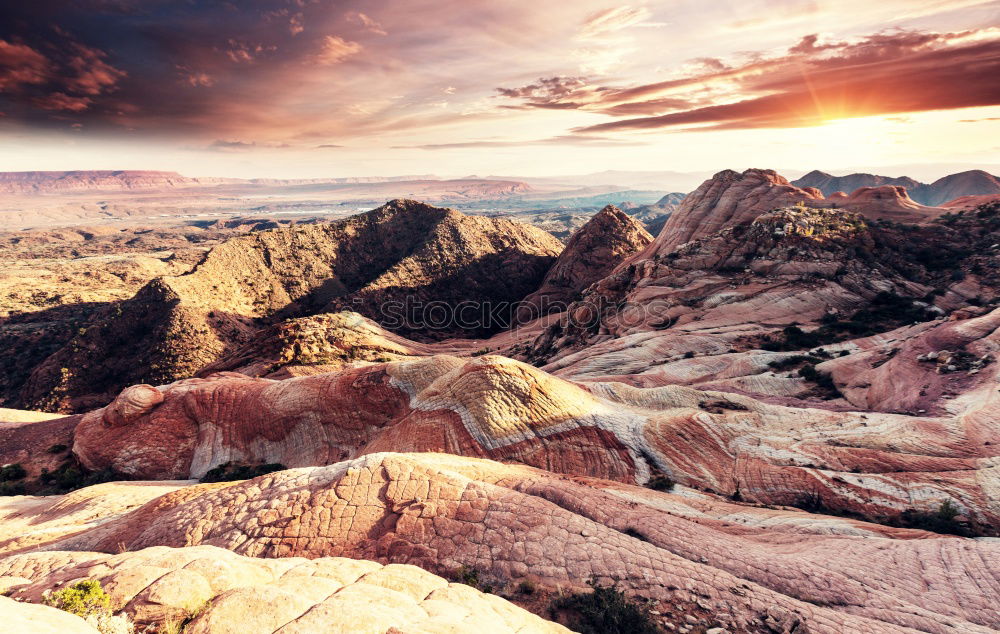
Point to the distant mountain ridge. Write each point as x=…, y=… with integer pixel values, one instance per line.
x=136, y=180
x=943, y=190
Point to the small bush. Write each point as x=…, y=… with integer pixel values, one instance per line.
x=605, y=610
x=481, y=352
x=12, y=488
x=88, y=600
x=942, y=521
x=70, y=477
x=11, y=472
x=231, y=471
x=661, y=483
x=527, y=587
x=470, y=577
x=57, y=448
x=82, y=598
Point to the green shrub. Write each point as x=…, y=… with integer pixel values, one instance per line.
x=70, y=477
x=942, y=521
x=527, y=587
x=661, y=482
x=605, y=610
x=231, y=471
x=82, y=598
x=11, y=472
x=12, y=488
x=471, y=577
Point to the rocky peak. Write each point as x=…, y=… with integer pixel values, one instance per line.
x=404, y=252
x=593, y=251
x=727, y=199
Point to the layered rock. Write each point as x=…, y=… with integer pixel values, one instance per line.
x=41, y=619
x=871, y=464
x=591, y=253
x=700, y=559
x=381, y=263
x=729, y=199
x=213, y=590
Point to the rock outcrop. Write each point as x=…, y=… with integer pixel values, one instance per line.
x=213, y=590
x=701, y=560
x=387, y=264
x=729, y=199
x=869, y=464
x=40, y=619
x=591, y=253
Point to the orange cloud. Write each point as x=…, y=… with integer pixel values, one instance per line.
x=335, y=49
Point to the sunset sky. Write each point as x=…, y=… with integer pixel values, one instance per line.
x=311, y=88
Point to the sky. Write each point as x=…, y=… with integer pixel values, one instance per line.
x=327, y=88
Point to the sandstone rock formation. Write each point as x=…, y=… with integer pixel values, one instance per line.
x=701, y=559
x=591, y=253
x=40, y=619
x=378, y=263
x=729, y=199
x=870, y=464
x=216, y=591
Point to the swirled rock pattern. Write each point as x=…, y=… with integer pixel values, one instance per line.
x=215, y=591
x=875, y=464
x=746, y=568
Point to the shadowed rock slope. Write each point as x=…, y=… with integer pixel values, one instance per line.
x=404, y=251
x=593, y=251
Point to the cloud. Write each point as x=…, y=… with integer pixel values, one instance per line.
x=62, y=101
x=335, y=49
x=369, y=24
x=91, y=75
x=296, y=24
x=68, y=78
x=242, y=52
x=556, y=140
x=601, y=23
x=200, y=79
x=20, y=64
x=882, y=75
x=223, y=145
x=889, y=72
